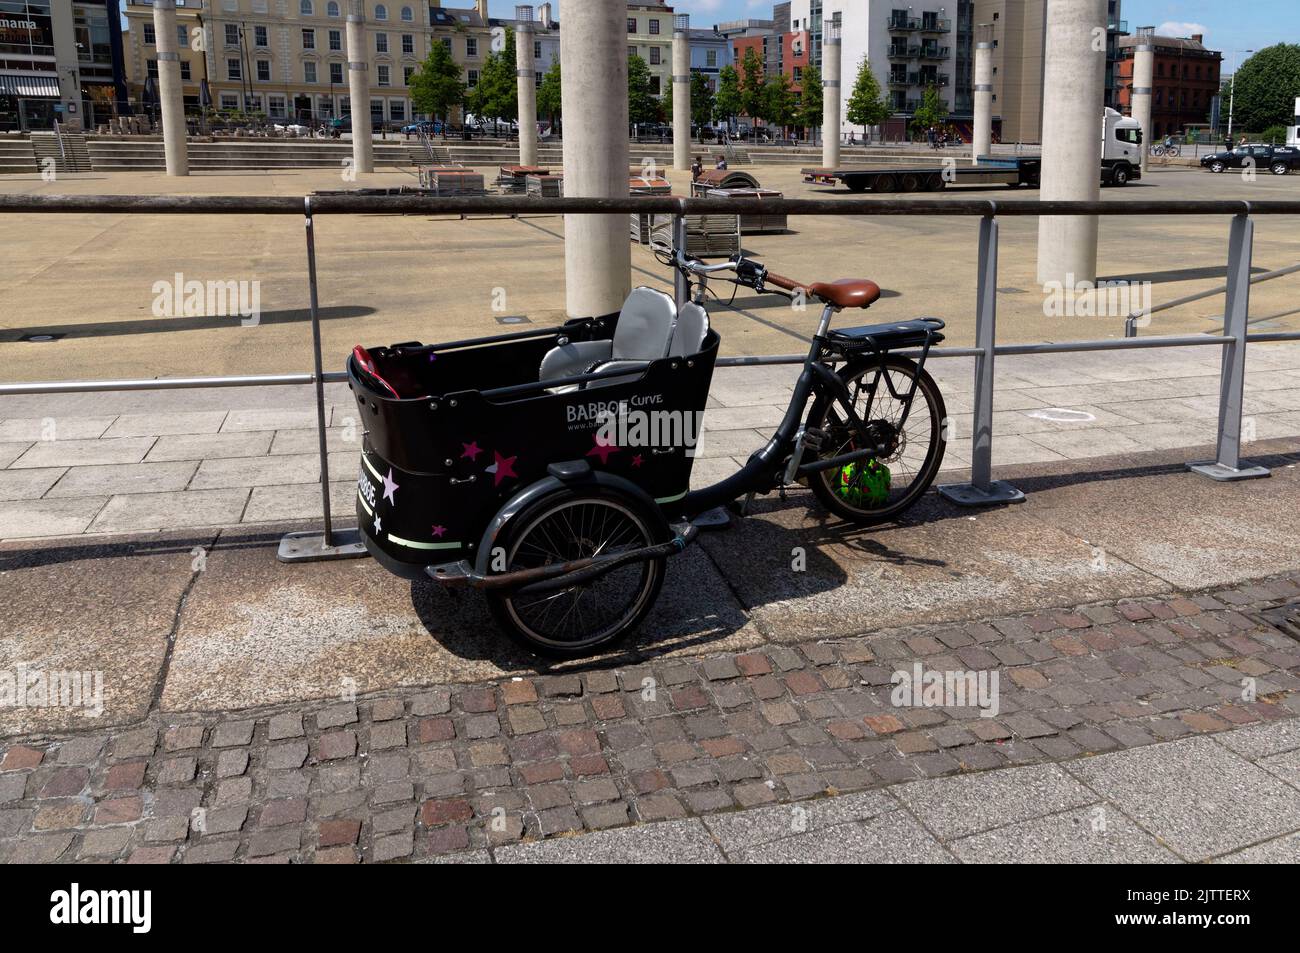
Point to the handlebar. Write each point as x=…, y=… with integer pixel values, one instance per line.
x=749, y=273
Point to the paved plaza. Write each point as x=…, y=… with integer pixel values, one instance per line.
x=1141, y=620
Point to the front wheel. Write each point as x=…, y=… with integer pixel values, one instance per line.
x=1217, y=166
x=875, y=490
x=1119, y=176
x=578, y=524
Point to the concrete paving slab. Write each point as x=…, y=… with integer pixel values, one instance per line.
x=53, y=428
x=1199, y=798
x=141, y=512
x=72, y=453
x=739, y=831
x=28, y=484
x=942, y=564
x=969, y=804
x=1262, y=741
x=277, y=470
x=55, y=594
x=1094, y=442
x=337, y=439
x=302, y=501
x=211, y=446
x=118, y=478
x=1096, y=834
x=1279, y=850
x=9, y=452
x=670, y=842
x=30, y=519
x=157, y=425
x=1284, y=767
x=893, y=838
x=270, y=419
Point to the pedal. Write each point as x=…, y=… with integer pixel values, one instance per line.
x=813, y=438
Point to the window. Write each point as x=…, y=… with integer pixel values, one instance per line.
x=711, y=58
x=149, y=38
x=275, y=107
x=631, y=52
x=229, y=101
x=381, y=42
x=537, y=49
x=654, y=56
x=381, y=75
x=259, y=37
x=232, y=34
x=309, y=72
x=407, y=15
x=397, y=110
x=471, y=46
x=182, y=37
x=446, y=41
x=654, y=85
x=381, y=12
x=151, y=67
x=309, y=39
x=233, y=70
x=631, y=24
x=408, y=42
x=654, y=27
x=407, y=72
x=798, y=74
x=263, y=71
x=336, y=74
x=336, y=40
x=376, y=110
x=331, y=9
x=304, y=8
x=537, y=79
x=185, y=69
x=472, y=79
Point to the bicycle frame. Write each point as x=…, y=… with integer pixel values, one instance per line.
x=779, y=462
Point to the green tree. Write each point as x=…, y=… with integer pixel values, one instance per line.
x=642, y=107
x=496, y=97
x=702, y=99
x=728, y=103
x=933, y=111
x=1267, y=85
x=751, y=90
x=778, y=101
x=436, y=87
x=867, y=106
x=810, y=104
x=549, y=99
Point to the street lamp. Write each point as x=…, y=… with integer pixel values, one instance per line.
x=1232, y=88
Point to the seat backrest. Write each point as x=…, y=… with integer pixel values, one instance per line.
x=692, y=326
x=645, y=326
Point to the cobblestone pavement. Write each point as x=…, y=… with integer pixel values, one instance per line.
x=483, y=771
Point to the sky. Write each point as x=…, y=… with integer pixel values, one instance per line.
x=1227, y=25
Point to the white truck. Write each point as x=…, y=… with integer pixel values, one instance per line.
x=1121, y=158
x=1293, y=130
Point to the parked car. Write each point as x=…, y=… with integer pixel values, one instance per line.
x=430, y=127
x=1277, y=159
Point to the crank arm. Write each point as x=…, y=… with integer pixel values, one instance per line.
x=817, y=466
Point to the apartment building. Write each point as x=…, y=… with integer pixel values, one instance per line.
x=650, y=36
x=288, y=58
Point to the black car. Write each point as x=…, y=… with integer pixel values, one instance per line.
x=1277, y=159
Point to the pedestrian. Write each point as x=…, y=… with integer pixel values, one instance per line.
x=697, y=169
x=721, y=163
x=930, y=135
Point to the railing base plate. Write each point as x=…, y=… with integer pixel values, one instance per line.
x=1226, y=474
x=311, y=548
x=967, y=494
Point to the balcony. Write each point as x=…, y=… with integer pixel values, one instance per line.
x=903, y=24
x=899, y=79
x=934, y=52
x=935, y=25
x=898, y=52
x=1116, y=26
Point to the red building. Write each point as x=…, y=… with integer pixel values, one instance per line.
x=1185, y=82
x=788, y=53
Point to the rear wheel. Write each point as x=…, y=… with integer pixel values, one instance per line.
x=875, y=490
x=577, y=524
x=909, y=182
x=884, y=183
x=1278, y=168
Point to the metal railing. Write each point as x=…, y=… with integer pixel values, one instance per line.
x=981, y=490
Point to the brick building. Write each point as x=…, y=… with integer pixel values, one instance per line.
x=1185, y=82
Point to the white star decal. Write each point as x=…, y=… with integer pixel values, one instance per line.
x=378, y=525
x=390, y=487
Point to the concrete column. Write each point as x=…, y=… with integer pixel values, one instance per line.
x=1144, y=61
x=169, y=88
x=526, y=72
x=597, y=253
x=363, y=146
x=831, y=72
x=1073, y=88
x=681, y=93
x=982, y=138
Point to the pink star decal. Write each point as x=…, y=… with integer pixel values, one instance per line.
x=472, y=450
x=502, y=468
x=637, y=460
x=439, y=531
x=602, y=450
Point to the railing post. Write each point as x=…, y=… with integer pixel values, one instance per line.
x=681, y=290
x=1232, y=378
x=312, y=547
x=983, y=490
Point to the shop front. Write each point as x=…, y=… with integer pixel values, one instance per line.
x=29, y=78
